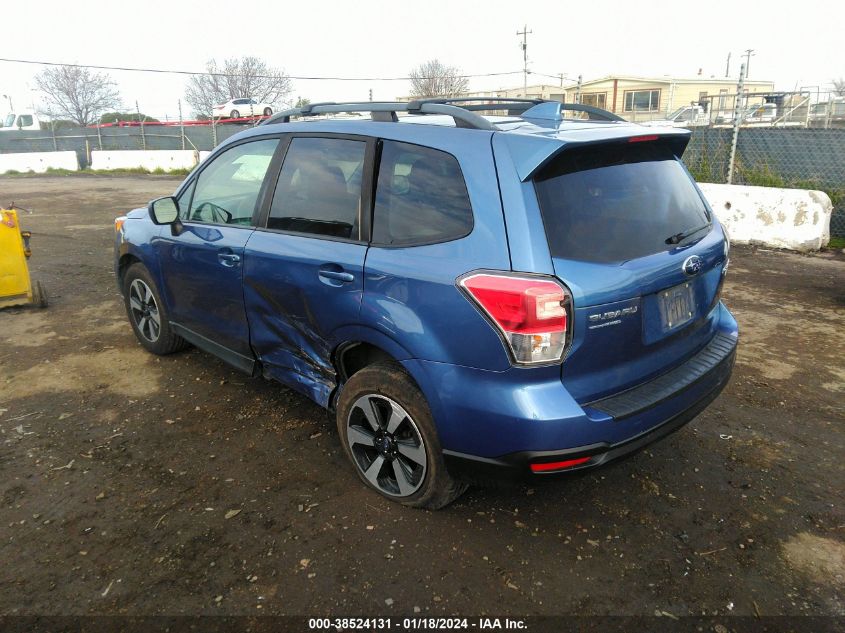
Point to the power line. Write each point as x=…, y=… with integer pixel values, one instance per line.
x=217, y=74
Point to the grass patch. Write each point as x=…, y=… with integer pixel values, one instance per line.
x=837, y=242
x=139, y=171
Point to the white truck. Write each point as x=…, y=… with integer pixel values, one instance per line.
x=686, y=116
x=21, y=120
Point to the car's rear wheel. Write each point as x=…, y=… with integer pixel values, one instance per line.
x=147, y=313
x=388, y=433
x=268, y=111
x=234, y=114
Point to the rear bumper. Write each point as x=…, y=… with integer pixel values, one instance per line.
x=516, y=466
x=493, y=426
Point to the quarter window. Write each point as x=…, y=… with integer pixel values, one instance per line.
x=642, y=100
x=421, y=197
x=319, y=190
x=227, y=189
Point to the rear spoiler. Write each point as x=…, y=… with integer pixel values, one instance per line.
x=532, y=152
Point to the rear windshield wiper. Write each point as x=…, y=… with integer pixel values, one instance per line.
x=679, y=237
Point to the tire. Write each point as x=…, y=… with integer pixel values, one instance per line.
x=147, y=313
x=268, y=111
x=388, y=434
x=39, y=295
x=234, y=114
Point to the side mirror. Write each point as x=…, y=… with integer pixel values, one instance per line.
x=164, y=210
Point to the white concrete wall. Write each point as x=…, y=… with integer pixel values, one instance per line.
x=796, y=219
x=38, y=162
x=150, y=159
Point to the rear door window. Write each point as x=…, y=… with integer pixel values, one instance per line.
x=421, y=197
x=319, y=188
x=615, y=203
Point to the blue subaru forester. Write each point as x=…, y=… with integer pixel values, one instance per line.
x=526, y=292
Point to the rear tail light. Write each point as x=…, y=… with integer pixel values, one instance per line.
x=531, y=313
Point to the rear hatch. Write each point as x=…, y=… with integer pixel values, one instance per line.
x=632, y=237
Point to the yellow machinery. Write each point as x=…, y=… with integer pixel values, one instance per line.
x=16, y=288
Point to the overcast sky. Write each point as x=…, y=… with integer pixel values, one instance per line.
x=796, y=44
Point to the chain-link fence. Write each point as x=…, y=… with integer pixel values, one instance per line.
x=804, y=157
x=798, y=158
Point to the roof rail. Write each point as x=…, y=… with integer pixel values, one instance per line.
x=514, y=106
x=459, y=108
x=386, y=111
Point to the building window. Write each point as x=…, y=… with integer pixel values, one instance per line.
x=596, y=99
x=723, y=98
x=642, y=100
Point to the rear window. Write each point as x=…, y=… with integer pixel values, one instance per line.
x=614, y=203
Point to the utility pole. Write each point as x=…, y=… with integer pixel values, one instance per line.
x=728, y=66
x=524, y=33
x=749, y=53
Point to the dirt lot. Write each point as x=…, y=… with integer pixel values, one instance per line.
x=118, y=471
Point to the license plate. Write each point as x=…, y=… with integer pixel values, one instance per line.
x=676, y=306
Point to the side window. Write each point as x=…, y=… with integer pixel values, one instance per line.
x=227, y=189
x=25, y=120
x=421, y=197
x=319, y=190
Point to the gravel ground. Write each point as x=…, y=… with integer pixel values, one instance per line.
x=131, y=484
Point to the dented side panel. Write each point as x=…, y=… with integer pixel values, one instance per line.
x=295, y=309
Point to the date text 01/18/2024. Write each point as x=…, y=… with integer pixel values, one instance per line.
x=415, y=624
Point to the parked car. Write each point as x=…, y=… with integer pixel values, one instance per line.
x=23, y=120
x=237, y=108
x=472, y=297
x=687, y=116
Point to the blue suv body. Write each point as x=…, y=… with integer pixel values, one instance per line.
x=520, y=294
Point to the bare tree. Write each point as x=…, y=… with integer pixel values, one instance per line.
x=435, y=79
x=76, y=93
x=247, y=77
x=839, y=87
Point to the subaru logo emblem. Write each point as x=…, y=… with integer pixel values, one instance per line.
x=692, y=265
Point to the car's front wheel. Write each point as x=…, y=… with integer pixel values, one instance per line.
x=234, y=114
x=147, y=313
x=388, y=433
x=268, y=111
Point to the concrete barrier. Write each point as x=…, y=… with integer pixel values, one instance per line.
x=38, y=162
x=150, y=159
x=796, y=219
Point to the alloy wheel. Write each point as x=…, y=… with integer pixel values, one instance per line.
x=386, y=445
x=144, y=309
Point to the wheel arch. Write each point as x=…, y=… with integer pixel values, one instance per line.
x=363, y=346
x=126, y=260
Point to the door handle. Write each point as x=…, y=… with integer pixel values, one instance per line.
x=337, y=275
x=228, y=259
